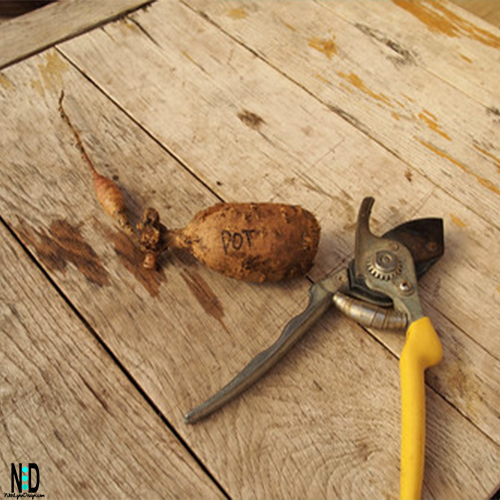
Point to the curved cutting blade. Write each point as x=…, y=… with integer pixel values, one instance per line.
x=424, y=238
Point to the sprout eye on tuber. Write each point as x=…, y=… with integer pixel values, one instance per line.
x=253, y=242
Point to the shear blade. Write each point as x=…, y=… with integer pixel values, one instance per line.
x=424, y=238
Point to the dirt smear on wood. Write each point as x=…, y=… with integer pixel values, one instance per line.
x=251, y=119
x=206, y=297
x=61, y=244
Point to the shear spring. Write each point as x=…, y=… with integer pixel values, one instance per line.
x=369, y=315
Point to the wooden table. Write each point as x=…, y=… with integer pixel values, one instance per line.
x=186, y=103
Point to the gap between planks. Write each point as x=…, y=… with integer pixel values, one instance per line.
x=150, y=134
x=109, y=353
x=35, y=31
x=289, y=77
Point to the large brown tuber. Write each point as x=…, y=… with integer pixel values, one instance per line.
x=247, y=241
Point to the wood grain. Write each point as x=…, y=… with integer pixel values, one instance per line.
x=466, y=45
x=489, y=10
x=23, y=36
x=325, y=423
x=67, y=407
x=441, y=132
x=345, y=167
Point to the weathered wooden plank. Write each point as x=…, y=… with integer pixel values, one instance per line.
x=489, y=10
x=274, y=162
x=66, y=406
x=162, y=325
x=28, y=34
x=307, y=430
x=467, y=47
x=444, y=134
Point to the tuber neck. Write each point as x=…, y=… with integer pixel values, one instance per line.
x=176, y=238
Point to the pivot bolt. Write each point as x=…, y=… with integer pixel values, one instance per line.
x=385, y=265
x=406, y=287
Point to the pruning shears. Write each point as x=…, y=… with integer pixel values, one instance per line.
x=377, y=289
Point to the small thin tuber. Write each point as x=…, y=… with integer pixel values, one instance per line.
x=248, y=241
x=107, y=192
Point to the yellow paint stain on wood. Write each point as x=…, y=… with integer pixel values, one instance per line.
x=327, y=47
x=51, y=72
x=431, y=121
x=238, y=13
x=457, y=221
x=5, y=82
x=356, y=81
x=465, y=58
x=489, y=155
x=321, y=78
x=487, y=184
x=346, y=87
x=484, y=182
x=430, y=115
x=37, y=86
x=396, y=116
x=128, y=25
x=440, y=19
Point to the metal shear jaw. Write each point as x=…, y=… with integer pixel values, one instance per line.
x=386, y=266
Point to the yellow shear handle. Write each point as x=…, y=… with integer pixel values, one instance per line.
x=421, y=351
